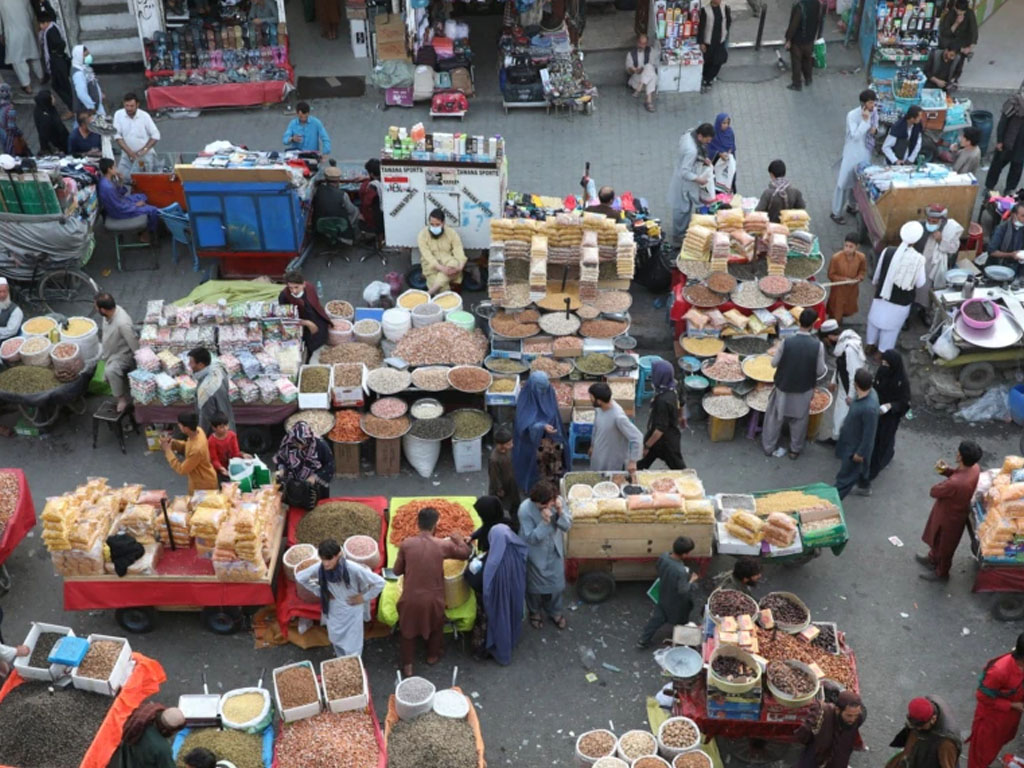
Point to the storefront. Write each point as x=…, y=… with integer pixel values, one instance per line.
x=674, y=24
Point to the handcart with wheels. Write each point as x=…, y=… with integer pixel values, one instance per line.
x=42, y=409
x=22, y=519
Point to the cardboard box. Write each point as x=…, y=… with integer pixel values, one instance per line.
x=316, y=399
x=618, y=540
x=390, y=30
x=355, y=12
x=392, y=52
x=503, y=398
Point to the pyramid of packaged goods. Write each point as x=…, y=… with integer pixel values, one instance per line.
x=801, y=242
x=496, y=272
x=756, y=223
x=705, y=220
x=720, y=249
x=1000, y=522
x=729, y=219
x=590, y=269
x=742, y=244
x=697, y=242
x=538, y=265
x=625, y=255
x=778, y=252
x=235, y=530
x=794, y=219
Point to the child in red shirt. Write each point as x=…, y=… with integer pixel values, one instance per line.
x=223, y=444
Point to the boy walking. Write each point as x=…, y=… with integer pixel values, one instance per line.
x=501, y=476
x=674, y=600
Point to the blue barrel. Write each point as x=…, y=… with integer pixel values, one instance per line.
x=982, y=120
x=1016, y=403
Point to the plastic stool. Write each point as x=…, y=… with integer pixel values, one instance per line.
x=574, y=438
x=642, y=393
x=975, y=238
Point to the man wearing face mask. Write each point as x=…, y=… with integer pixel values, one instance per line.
x=301, y=293
x=939, y=245
x=1006, y=246
x=441, y=256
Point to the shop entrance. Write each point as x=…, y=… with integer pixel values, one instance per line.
x=314, y=53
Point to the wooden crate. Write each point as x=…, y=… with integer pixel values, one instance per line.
x=625, y=540
x=898, y=206
x=389, y=456
x=346, y=459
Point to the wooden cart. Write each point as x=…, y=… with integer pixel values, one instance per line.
x=879, y=221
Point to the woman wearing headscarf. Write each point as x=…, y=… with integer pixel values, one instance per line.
x=86, y=92
x=345, y=590
x=723, y=147
x=144, y=737
x=1009, y=146
x=492, y=514
x=831, y=732
x=893, y=389
x=11, y=138
x=504, y=592
x=537, y=420
x=305, y=458
x=53, y=135
x=661, y=441
x=850, y=358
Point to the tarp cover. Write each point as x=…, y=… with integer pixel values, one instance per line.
x=57, y=238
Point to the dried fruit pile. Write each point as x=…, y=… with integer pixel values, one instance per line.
x=789, y=679
x=441, y=344
x=732, y=669
x=778, y=645
x=783, y=609
x=731, y=602
x=100, y=659
x=343, y=678
x=453, y=518
x=296, y=686
x=329, y=740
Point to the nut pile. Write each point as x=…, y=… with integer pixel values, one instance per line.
x=314, y=379
x=749, y=296
x=100, y=659
x=613, y=301
x=346, y=427
x=441, y=344
x=352, y=352
x=388, y=381
x=805, y=294
x=337, y=520
x=343, y=678
x=700, y=295
x=296, y=686
x=568, y=345
x=340, y=308
x=783, y=609
x=826, y=639
x=516, y=325
x=389, y=408
x=652, y=761
x=452, y=518
x=732, y=669
x=329, y=740
x=603, y=329
x=385, y=429
x=41, y=650
x=691, y=760
x=725, y=368
x=778, y=645
x=774, y=285
x=636, y=744
x=432, y=740
x=469, y=379
x=789, y=679
x=721, y=282
x=319, y=421
x=553, y=367
x=679, y=734
x=731, y=602
x=433, y=378
x=597, y=744
x=348, y=375
x=243, y=750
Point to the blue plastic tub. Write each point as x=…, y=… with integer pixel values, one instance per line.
x=1016, y=403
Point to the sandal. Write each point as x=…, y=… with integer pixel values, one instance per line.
x=536, y=621
x=559, y=621
x=649, y=107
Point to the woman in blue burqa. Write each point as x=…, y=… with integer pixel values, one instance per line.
x=539, y=433
x=504, y=591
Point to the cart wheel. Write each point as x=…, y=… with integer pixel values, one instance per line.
x=799, y=561
x=595, y=586
x=755, y=751
x=40, y=416
x=138, y=620
x=5, y=580
x=69, y=292
x=977, y=376
x=1009, y=608
x=222, y=620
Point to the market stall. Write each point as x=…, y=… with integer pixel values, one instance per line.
x=995, y=545
x=249, y=210
x=79, y=724
x=767, y=667
x=897, y=36
x=420, y=716
x=17, y=517
x=198, y=57
x=675, y=23
x=214, y=550
x=542, y=70
x=620, y=529
x=465, y=176
x=457, y=514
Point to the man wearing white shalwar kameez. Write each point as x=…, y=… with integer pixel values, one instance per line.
x=643, y=77
x=350, y=587
x=939, y=245
x=900, y=272
x=861, y=126
x=19, y=30
x=849, y=354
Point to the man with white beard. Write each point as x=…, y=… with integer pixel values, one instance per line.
x=11, y=315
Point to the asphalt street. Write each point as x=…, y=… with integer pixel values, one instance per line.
x=911, y=637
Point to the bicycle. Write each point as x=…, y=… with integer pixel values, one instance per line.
x=66, y=291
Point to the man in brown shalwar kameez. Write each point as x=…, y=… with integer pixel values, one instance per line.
x=847, y=264
x=950, y=511
x=421, y=606
x=832, y=732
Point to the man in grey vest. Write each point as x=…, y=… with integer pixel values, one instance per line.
x=643, y=77
x=11, y=315
x=799, y=363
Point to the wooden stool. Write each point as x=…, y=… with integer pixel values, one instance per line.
x=388, y=456
x=107, y=412
x=346, y=459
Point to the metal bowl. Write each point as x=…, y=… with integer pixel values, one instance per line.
x=999, y=274
x=956, y=277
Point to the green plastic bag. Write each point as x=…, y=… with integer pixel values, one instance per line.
x=98, y=383
x=819, y=53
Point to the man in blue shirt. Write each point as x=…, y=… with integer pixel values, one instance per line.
x=82, y=141
x=1006, y=245
x=306, y=133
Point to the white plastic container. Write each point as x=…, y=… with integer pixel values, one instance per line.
x=294, y=555
x=69, y=366
x=427, y=314
x=316, y=399
x=409, y=710
x=50, y=672
x=261, y=719
x=585, y=761
x=13, y=357
x=450, y=703
x=118, y=675
x=359, y=701
x=464, y=320
x=88, y=342
x=304, y=711
x=40, y=358
x=468, y=454
x=370, y=561
x=370, y=335
x=395, y=323
x=340, y=332
x=412, y=298
x=671, y=752
x=449, y=301
x=650, y=753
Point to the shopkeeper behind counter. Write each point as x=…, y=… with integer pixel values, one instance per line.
x=441, y=256
x=314, y=319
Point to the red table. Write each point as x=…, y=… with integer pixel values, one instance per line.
x=154, y=413
x=287, y=601
x=22, y=521
x=225, y=95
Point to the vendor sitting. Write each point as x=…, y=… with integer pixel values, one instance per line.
x=332, y=202
x=82, y=141
x=144, y=737
x=743, y=577
x=11, y=316
x=441, y=254
x=643, y=77
x=943, y=69
x=1006, y=246
x=204, y=758
x=314, y=320
x=605, y=198
x=903, y=143
x=117, y=203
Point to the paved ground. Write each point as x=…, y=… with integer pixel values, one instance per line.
x=909, y=635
